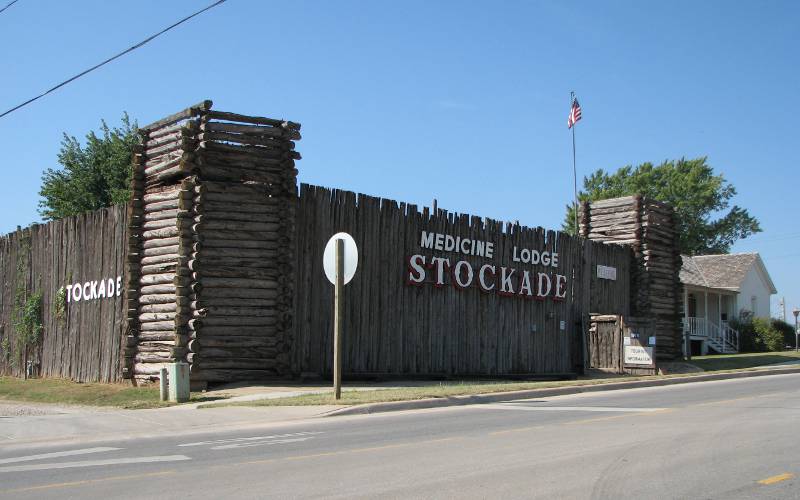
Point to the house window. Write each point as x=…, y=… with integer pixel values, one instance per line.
x=753, y=305
x=692, y=306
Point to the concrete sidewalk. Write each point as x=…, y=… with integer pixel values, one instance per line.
x=617, y=385
x=24, y=423
x=236, y=393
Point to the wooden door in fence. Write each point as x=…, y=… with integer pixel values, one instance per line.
x=605, y=343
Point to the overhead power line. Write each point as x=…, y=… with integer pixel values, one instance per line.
x=12, y=2
x=131, y=49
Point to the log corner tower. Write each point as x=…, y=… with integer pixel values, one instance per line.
x=650, y=228
x=210, y=263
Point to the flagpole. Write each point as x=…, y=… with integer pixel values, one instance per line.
x=574, y=169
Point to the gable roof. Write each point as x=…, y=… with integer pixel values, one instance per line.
x=726, y=271
x=691, y=274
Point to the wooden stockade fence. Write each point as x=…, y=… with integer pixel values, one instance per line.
x=395, y=329
x=220, y=260
x=649, y=228
x=80, y=337
x=212, y=219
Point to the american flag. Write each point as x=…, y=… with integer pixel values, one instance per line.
x=574, y=113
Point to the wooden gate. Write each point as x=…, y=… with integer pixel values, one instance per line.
x=622, y=345
x=605, y=343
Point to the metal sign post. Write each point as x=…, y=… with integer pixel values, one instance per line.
x=338, y=320
x=340, y=261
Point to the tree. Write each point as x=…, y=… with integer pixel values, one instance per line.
x=93, y=176
x=696, y=194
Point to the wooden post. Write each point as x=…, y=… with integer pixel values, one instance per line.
x=719, y=318
x=163, y=388
x=338, y=320
x=687, y=342
x=705, y=326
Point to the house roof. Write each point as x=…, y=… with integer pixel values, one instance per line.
x=726, y=271
x=691, y=274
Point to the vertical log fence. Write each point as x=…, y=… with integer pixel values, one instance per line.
x=429, y=330
x=72, y=268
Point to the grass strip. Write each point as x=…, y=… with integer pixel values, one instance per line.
x=60, y=391
x=716, y=362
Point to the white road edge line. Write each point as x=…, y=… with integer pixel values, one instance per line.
x=69, y=453
x=94, y=463
x=269, y=442
x=254, y=438
x=502, y=406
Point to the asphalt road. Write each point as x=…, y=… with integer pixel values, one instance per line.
x=729, y=439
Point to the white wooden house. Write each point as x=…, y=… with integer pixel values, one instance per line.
x=718, y=288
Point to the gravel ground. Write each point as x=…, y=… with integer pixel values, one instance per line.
x=14, y=409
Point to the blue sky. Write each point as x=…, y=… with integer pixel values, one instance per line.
x=465, y=102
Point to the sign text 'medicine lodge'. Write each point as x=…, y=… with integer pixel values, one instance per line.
x=503, y=280
x=479, y=248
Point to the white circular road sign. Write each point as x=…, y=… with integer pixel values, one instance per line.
x=350, y=257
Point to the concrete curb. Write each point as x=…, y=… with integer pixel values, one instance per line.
x=496, y=397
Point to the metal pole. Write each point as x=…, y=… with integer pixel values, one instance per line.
x=338, y=320
x=783, y=309
x=795, y=333
x=574, y=169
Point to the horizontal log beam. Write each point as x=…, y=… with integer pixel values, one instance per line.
x=259, y=120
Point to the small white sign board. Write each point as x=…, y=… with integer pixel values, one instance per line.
x=607, y=273
x=638, y=355
x=350, y=257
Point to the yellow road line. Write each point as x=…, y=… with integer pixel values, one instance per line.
x=776, y=479
x=88, y=481
x=615, y=417
x=517, y=429
x=734, y=400
x=582, y=421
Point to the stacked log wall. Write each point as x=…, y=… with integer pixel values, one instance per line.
x=216, y=195
x=649, y=228
x=80, y=339
x=160, y=241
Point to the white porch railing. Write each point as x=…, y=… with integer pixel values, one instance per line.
x=696, y=327
x=729, y=335
x=721, y=338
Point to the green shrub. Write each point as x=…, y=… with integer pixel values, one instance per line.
x=60, y=305
x=770, y=337
x=747, y=336
x=758, y=335
x=786, y=330
x=27, y=320
x=5, y=349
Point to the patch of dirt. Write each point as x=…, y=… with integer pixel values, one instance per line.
x=676, y=367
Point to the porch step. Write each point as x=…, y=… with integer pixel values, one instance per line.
x=720, y=347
